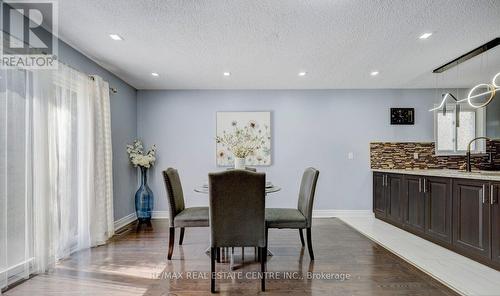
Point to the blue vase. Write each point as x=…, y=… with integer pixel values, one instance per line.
x=144, y=198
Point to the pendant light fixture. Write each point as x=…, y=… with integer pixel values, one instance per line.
x=491, y=91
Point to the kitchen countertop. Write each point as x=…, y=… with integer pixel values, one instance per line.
x=478, y=175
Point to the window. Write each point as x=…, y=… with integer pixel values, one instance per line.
x=456, y=127
x=16, y=243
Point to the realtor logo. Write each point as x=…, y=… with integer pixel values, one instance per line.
x=29, y=30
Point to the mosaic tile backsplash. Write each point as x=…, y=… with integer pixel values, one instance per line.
x=385, y=155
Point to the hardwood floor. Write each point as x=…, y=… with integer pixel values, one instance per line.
x=131, y=264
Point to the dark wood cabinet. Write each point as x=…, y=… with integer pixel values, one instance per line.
x=438, y=196
x=393, y=197
x=413, y=204
x=387, y=196
x=495, y=221
x=460, y=214
x=379, y=207
x=471, y=217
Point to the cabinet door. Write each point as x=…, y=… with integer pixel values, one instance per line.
x=413, y=203
x=379, y=207
x=393, y=197
x=438, y=201
x=495, y=221
x=471, y=217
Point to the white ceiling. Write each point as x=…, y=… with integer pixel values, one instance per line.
x=265, y=44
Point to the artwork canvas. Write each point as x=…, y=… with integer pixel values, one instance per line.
x=260, y=121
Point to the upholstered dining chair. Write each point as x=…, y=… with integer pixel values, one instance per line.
x=180, y=216
x=237, y=214
x=300, y=218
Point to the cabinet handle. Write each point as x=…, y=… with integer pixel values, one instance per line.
x=419, y=184
x=484, y=193
x=425, y=185
x=492, y=197
x=385, y=178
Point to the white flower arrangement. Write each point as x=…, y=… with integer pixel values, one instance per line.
x=137, y=156
x=242, y=141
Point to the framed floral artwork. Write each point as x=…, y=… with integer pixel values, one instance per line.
x=241, y=126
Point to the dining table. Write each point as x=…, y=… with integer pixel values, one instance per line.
x=270, y=188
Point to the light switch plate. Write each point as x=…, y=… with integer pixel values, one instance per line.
x=350, y=155
x=415, y=155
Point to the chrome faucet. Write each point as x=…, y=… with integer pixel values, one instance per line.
x=468, y=165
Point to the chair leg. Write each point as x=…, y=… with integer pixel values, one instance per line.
x=171, y=240
x=213, y=254
x=309, y=243
x=301, y=237
x=263, y=259
x=181, y=238
x=267, y=236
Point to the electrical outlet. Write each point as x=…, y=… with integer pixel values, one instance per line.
x=350, y=155
x=415, y=155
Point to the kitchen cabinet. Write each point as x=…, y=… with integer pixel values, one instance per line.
x=379, y=207
x=413, y=204
x=471, y=217
x=460, y=214
x=438, y=201
x=495, y=221
x=393, y=197
x=387, y=196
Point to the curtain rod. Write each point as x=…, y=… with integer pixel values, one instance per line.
x=111, y=89
x=114, y=90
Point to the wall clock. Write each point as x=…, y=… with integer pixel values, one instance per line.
x=402, y=116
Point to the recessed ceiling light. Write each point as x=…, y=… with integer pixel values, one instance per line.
x=425, y=36
x=155, y=74
x=374, y=73
x=302, y=73
x=115, y=37
x=227, y=73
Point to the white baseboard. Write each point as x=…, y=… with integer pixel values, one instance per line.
x=316, y=214
x=341, y=213
x=122, y=222
x=160, y=215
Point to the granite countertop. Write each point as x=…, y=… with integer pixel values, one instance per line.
x=478, y=175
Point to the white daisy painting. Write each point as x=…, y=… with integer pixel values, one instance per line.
x=253, y=125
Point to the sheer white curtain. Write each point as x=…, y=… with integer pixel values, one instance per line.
x=78, y=149
x=101, y=201
x=59, y=173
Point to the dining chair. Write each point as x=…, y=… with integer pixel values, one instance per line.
x=237, y=214
x=180, y=216
x=251, y=169
x=300, y=218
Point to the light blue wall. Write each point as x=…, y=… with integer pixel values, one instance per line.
x=123, y=127
x=310, y=128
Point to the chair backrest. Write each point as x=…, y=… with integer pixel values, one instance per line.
x=174, y=193
x=237, y=208
x=246, y=168
x=306, y=193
